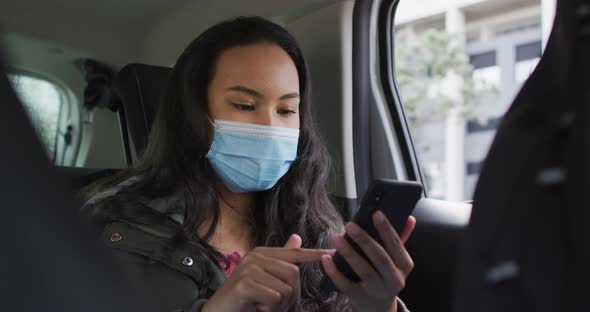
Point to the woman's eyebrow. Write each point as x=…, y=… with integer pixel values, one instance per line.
x=254, y=93
x=246, y=90
x=292, y=95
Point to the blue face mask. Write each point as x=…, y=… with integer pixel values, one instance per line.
x=249, y=157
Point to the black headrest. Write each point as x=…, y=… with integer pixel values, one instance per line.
x=139, y=89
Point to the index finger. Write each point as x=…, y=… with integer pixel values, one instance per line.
x=408, y=229
x=295, y=255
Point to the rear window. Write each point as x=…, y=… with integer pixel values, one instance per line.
x=43, y=101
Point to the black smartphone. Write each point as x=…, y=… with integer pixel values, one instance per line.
x=396, y=199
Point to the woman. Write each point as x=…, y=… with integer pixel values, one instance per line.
x=227, y=209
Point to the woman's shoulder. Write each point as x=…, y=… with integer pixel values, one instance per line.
x=164, y=231
x=171, y=206
x=110, y=191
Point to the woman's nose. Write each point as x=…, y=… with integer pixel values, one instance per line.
x=265, y=118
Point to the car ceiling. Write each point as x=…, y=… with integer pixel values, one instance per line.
x=40, y=36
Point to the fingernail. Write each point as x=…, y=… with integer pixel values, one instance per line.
x=352, y=229
x=379, y=217
x=338, y=241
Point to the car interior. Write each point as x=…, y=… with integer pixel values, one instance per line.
x=110, y=60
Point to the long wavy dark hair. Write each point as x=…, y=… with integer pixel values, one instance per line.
x=174, y=162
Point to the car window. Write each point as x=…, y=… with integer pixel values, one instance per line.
x=457, y=71
x=43, y=102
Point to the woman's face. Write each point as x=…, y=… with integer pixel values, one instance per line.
x=255, y=84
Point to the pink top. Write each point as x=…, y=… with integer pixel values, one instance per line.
x=234, y=259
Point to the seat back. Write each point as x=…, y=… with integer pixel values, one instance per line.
x=47, y=251
x=526, y=247
x=137, y=92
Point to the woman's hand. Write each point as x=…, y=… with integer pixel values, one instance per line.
x=378, y=289
x=267, y=279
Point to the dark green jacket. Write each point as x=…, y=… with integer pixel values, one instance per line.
x=169, y=277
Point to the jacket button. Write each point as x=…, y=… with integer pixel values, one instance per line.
x=115, y=237
x=187, y=261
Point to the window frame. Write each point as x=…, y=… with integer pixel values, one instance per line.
x=386, y=47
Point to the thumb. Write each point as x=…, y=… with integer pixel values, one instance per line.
x=294, y=241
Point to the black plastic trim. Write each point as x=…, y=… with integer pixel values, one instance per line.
x=345, y=206
x=387, y=63
x=361, y=93
x=125, y=134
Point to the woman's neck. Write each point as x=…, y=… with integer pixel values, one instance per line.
x=234, y=231
x=237, y=206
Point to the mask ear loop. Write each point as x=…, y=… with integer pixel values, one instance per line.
x=212, y=123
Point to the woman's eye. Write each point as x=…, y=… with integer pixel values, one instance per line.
x=287, y=112
x=243, y=107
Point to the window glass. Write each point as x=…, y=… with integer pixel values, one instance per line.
x=456, y=86
x=42, y=101
x=486, y=72
x=527, y=58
